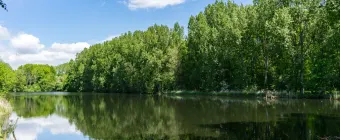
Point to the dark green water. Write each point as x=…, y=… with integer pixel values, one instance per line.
x=52, y=116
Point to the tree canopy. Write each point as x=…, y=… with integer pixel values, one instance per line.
x=273, y=44
x=7, y=77
x=282, y=45
x=138, y=62
x=35, y=78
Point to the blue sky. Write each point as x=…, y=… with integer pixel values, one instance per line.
x=33, y=26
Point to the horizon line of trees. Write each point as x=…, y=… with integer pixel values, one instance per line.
x=31, y=78
x=284, y=45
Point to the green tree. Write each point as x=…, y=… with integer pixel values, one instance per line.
x=37, y=77
x=7, y=77
x=139, y=62
x=213, y=45
x=285, y=45
x=62, y=73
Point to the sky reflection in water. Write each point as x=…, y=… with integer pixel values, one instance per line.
x=106, y=117
x=53, y=127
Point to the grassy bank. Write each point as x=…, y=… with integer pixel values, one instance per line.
x=278, y=94
x=5, y=107
x=5, y=111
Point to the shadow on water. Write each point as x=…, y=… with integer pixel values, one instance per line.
x=103, y=116
x=292, y=126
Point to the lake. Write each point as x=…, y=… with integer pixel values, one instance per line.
x=75, y=116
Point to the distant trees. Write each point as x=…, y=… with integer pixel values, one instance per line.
x=31, y=78
x=7, y=77
x=36, y=77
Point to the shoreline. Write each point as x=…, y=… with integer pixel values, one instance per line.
x=5, y=107
x=261, y=94
x=5, y=112
x=232, y=93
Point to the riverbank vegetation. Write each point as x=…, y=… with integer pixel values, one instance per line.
x=5, y=111
x=5, y=107
x=27, y=78
x=272, y=45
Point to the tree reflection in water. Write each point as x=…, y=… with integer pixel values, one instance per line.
x=103, y=116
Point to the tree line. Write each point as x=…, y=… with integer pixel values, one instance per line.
x=282, y=45
x=30, y=78
x=273, y=44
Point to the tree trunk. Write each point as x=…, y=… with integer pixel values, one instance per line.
x=266, y=73
x=302, y=63
x=14, y=135
x=252, y=71
x=266, y=66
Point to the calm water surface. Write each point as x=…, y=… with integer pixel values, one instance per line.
x=55, y=116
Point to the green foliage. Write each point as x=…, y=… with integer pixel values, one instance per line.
x=277, y=45
x=62, y=73
x=214, y=37
x=281, y=45
x=7, y=77
x=333, y=10
x=139, y=62
x=36, y=78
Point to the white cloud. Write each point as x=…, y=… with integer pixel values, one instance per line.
x=4, y=34
x=43, y=57
x=140, y=4
x=56, y=54
x=69, y=48
x=109, y=38
x=27, y=49
x=26, y=44
x=30, y=128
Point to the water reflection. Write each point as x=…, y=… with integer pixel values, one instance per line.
x=35, y=127
x=103, y=116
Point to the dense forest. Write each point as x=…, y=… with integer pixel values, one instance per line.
x=30, y=78
x=281, y=45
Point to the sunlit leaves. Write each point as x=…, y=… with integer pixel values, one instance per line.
x=138, y=62
x=36, y=78
x=7, y=77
